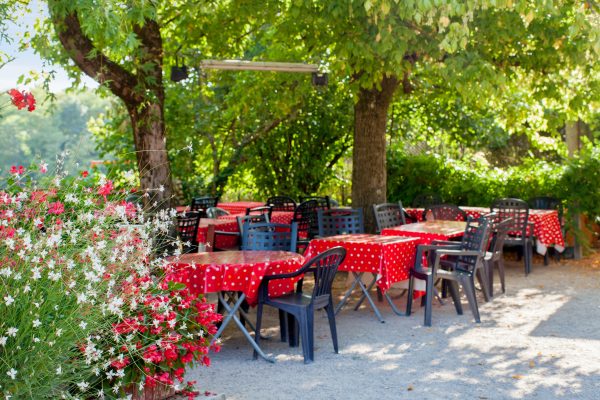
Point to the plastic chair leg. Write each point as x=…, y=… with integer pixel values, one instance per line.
x=489, y=269
x=292, y=330
x=259, y=310
x=454, y=293
x=428, y=300
x=468, y=283
x=283, y=326
x=501, y=273
x=331, y=317
x=409, y=299
x=303, y=322
x=483, y=281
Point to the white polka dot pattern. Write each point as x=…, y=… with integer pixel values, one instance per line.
x=389, y=258
x=546, y=225
x=236, y=271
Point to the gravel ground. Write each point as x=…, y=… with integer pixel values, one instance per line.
x=539, y=340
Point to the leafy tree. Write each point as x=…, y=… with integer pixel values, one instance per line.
x=478, y=46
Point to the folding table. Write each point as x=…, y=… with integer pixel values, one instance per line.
x=388, y=258
x=231, y=272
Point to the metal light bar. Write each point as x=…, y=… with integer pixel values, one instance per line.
x=237, y=65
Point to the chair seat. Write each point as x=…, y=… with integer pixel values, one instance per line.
x=292, y=299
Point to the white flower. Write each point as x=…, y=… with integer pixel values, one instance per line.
x=12, y=373
x=83, y=385
x=59, y=370
x=12, y=331
x=58, y=332
x=8, y=300
x=37, y=323
x=3, y=340
x=83, y=324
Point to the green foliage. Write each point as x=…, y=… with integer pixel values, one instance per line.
x=574, y=181
x=469, y=182
x=298, y=158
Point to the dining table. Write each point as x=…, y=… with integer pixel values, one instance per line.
x=428, y=231
x=388, y=258
x=546, y=225
x=235, y=276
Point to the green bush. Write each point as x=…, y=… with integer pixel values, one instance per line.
x=475, y=184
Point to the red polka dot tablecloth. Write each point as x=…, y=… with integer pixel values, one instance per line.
x=239, y=207
x=221, y=224
x=429, y=231
x=546, y=225
x=235, y=271
x=389, y=258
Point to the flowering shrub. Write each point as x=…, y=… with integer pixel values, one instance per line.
x=85, y=313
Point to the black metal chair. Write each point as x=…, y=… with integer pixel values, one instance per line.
x=323, y=202
x=426, y=200
x=260, y=210
x=548, y=203
x=494, y=257
x=446, y=212
x=202, y=204
x=302, y=306
x=215, y=212
x=338, y=221
x=463, y=260
x=269, y=236
x=305, y=215
x=388, y=215
x=520, y=232
x=187, y=231
x=281, y=203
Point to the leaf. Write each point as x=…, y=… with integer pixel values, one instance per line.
x=410, y=388
x=532, y=364
x=518, y=377
x=176, y=286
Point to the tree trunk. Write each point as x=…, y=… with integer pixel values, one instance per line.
x=151, y=152
x=142, y=92
x=369, y=177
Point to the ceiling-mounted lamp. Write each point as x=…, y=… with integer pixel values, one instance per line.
x=178, y=73
x=320, y=78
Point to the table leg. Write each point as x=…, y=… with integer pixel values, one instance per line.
x=232, y=314
x=365, y=291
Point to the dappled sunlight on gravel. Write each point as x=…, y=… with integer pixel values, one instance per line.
x=539, y=340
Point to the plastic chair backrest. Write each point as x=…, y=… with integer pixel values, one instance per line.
x=515, y=209
x=323, y=202
x=268, y=236
x=281, y=203
x=475, y=238
x=252, y=219
x=446, y=212
x=306, y=217
x=187, y=228
x=202, y=204
x=340, y=221
x=388, y=215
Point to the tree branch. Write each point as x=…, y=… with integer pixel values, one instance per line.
x=90, y=60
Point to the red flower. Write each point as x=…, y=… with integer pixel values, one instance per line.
x=22, y=99
x=105, y=189
x=56, y=208
x=120, y=364
x=17, y=170
x=84, y=174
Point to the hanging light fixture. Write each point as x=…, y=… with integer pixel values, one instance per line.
x=178, y=73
